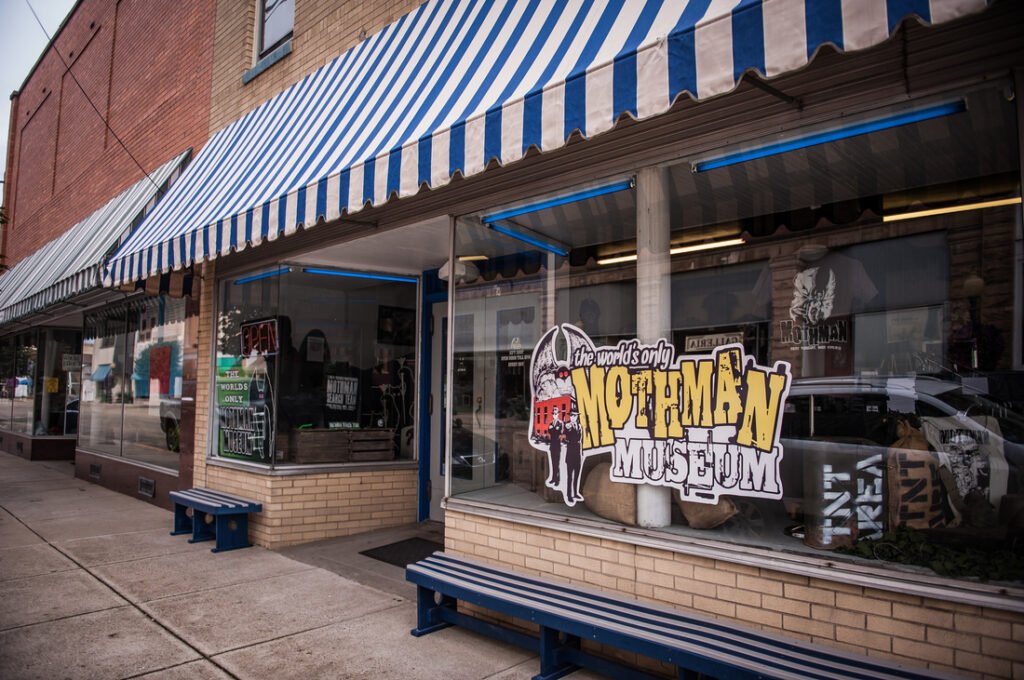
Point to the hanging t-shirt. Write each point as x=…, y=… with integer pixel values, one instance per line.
x=972, y=448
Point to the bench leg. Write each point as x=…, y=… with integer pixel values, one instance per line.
x=425, y=605
x=201, y=531
x=232, y=532
x=551, y=667
x=182, y=522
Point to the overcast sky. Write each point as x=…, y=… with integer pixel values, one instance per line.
x=21, y=44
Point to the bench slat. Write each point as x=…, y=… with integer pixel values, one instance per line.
x=655, y=617
x=735, y=654
x=631, y=608
x=599, y=615
x=215, y=501
x=216, y=496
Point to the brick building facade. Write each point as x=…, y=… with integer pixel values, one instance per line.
x=147, y=68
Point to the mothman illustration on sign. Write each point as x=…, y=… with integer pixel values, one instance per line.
x=554, y=417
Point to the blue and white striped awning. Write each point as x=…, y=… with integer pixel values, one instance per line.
x=71, y=263
x=456, y=84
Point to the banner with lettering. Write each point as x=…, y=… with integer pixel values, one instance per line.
x=704, y=424
x=245, y=409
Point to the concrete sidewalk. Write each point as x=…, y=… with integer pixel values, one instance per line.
x=93, y=586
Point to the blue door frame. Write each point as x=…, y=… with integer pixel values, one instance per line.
x=434, y=290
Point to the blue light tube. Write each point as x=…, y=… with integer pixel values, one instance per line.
x=833, y=135
x=527, y=238
x=561, y=200
x=263, y=275
x=358, y=275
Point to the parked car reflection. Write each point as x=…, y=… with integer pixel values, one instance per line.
x=476, y=457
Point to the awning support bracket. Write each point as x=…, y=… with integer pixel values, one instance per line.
x=777, y=93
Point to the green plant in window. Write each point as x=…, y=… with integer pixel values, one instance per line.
x=924, y=549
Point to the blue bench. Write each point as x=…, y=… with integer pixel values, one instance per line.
x=215, y=516
x=569, y=614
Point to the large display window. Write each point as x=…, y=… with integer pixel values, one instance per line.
x=131, y=389
x=315, y=365
x=530, y=267
x=41, y=370
x=809, y=350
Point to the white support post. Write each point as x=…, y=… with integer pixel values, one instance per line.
x=653, y=305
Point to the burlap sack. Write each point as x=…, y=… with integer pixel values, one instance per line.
x=916, y=495
x=909, y=437
x=612, y=500
x=707, y=515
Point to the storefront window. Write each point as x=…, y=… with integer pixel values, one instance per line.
x=527, y=274
x=25, y=353
x=316, y=365
x=41, y=374
x=59, y=382
x=104, y=389
x=836, y=374
x=9, y=384
x=132, y=381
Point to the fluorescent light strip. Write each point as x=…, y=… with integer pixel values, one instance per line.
x=680, y=250
x=561, y=200
x=359, y=275
x=833, y=135
x=263, y=275
x=951, y=209
x=529, y=238
x=696, y=248
x=472, y=258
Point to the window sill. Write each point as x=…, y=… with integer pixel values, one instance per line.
x=295, y=470
x=266, y=62
x=934, y=587
x=127, y=460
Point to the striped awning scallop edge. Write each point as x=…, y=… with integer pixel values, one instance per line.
x=71, y=263
x=456, y=84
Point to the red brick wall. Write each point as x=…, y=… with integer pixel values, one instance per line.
x=147, y=67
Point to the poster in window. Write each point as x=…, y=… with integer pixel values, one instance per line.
x=245, y=408
x=342, y=401
x=315, y=349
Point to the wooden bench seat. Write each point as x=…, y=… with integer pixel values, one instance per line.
x=568, y=614
x=215, y=516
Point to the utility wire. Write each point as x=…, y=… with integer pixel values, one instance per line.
x=86, y=95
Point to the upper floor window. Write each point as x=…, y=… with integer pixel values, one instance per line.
x=276, y=20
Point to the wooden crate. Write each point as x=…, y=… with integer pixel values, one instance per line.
x=322, y=445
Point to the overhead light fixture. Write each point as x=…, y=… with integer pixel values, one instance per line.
x=262, y=275
x=831, y=135
x=472, y=258
x=358, y=275
x=963, y=207
x=531, y=237
x=679, y=250
x=559, y=200
x=465, y=272
x=697, y=247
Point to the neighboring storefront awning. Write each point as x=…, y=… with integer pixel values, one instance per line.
x=454, y=85
x=101, y=373
x=71, y=263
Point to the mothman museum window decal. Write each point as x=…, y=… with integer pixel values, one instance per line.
x=706, y=425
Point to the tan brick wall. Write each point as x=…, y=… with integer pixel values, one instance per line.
x=323, y=30
x=944, y=636
x=302, y=508
x=298, y=508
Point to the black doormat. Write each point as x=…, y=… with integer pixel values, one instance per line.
x=404, y=552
